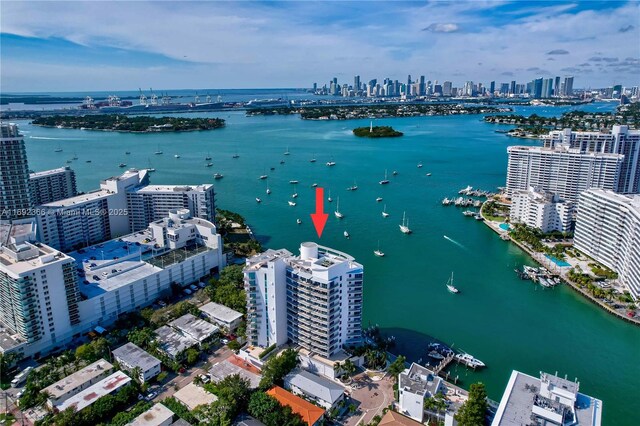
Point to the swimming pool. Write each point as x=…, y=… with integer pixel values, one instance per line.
x=504, y=226
x=560, y=263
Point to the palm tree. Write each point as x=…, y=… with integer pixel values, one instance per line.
x=136, y=372
x=337, y=367
x=349, y=368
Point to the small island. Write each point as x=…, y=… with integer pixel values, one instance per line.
x=377, y=132
x=127, y=123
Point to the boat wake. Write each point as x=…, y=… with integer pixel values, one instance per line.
x=455, y=242
x=55, y=139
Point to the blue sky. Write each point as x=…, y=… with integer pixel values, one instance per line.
x=76, y=46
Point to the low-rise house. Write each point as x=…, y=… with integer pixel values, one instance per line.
x=548, y=400
x=193, y=396
x=311, y=414
x=222, y=316
x=323, y=366
x=194, y=327
x=158, y=415
x=172, y=343
x=414, y=385
x=235, y=365
x=104, y=387
x=74, y=383
x=392, y=418
x=131, y=356
x=315, y=388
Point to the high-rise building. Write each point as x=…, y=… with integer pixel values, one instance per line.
x=356, y=83
x=536, y=86
x=563, y=171
x=568, y=86
x=547, y=88
x=541, y=210
x=608, y=230
x=446, y=88
x=512, y=87
x=52, y=185
x=556, y=87
x=620, y=140
x=492, y=88
x=314, y=300
x=14, y=174
x=504, y=89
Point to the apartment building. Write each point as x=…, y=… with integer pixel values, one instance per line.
x=14, y=174
x=542, y=210
x=313, y=300
x=608, y=230
x=74, y=383
x=52, y=185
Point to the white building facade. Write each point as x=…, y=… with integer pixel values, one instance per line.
x=52, y=185
x=541, y=210
x=608, y=230
x=313, y=300
x=14, y=174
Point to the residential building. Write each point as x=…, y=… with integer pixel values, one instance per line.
x=158, y=415
x=235, y=365
x=319, y=293
x=542, y=210
x=197, y=329
x=172, y=343
x=619, y=140
x=311, y=414
x=321, y=391
x=414, y=385
x=222, y=316
x=192, y=396
x=132, y=357
x=608, y=231
x=74, y=383
x=14, y=174
x=148, y=203
x=52, y=185
x=563, y=171
x=107, y=386
x=548, y=400
x=392, y=418
x=39, y=295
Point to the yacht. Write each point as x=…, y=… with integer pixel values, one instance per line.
x=331, y=163
x=404, y=228
x=291, y=203
x=450, y=285
x=337, y=212
x=208, y=165
x=378, y=252
x=435, y=355
x=346, y=234
x=121, y=165
x=354, y=187
x=258, y=200
x=263, y=177
x=446, y=201
x=293, y=182
x=429, y=174
x=378, y=199
x=177, y=155
x=469, y=360
x=384, y=211
x=385, y=180
x=420, y=165
x=329, y=199
x=235, y=156
x=217, y=176
x=58, y=149
x=298, y=221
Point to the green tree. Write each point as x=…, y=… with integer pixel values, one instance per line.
x=192, y=356
x=349, y=368
x=276, y=368
x=474, y=411
x=397, y=367
x=141, y=336
x=269, y=411
x=234, y=345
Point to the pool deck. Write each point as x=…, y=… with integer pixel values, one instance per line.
x=541, y=259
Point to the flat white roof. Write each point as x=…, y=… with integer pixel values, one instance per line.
x=79, y=200
x=220, y=312
x=154, y=416
x=194, y=327
x=135, y=356
x=172, y=188
x=44, y=173
x=78, y=378
x=94, y=392
x=192, y=396
x=173, y=342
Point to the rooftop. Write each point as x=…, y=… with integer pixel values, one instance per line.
x=154, y=416
x=78, y=378
x=135, y=356
x=51, y=172
x=235, y=365
x=316, y=386
x=94, y=392
x=309, y=412
x=192, y=395
x=172, y=342
x=172, y=188
x=246, y=420
x=79, y=200
x=522, y=394
x=396, y=419
x=419, y=380
x=194, y=327
x=220, y=312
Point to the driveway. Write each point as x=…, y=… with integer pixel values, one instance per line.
x=371, y=397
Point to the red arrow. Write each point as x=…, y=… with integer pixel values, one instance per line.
x=319, y=217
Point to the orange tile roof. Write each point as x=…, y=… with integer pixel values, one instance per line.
x=309, y=412
x=239, y=362
x=396, y=419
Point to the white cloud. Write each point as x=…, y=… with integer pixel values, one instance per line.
x=441, y=28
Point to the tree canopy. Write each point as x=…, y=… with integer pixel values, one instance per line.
x=474, y=411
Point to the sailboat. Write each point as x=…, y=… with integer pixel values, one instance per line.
x=420, y=165
x=258, y=200
x=158, y=152
x=75, y=156
x=450, y=285
x=263, y=176
x=295, y=194
x=384, y=211
x=385, y=180
x=235, y=155
x=268, y=190
x=208, y=157
x=329, y=199
x=150, y=169
x=208, y=165
x=404, y=228
x=378, y=252
x=337, y=212
x=313, y=160
x=287, y=151
x=331, y=162
x=58, y=149
x=354, y=187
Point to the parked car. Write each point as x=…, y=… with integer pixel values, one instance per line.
x=224, y=341
x=150, y=395
x=162, y=303
x=202, y=285
x=186, y=291
x=193, y=287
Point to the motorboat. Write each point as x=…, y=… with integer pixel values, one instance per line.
x=293, y=182
x=258, y=200
x=378, y=199
x=208, y=165
x=420, y=165
x=294, y=195
x=446, y=201
x=331, y=163
x=469, y=360
x=435, y=355
x=208, y=157
x=121, y=165
x=346, y=234
x=428, y=174
x=291, y=203
x=395, y=173
x=217, y=176
x=263, y=177
x=314, y=185
x=404, y=228
x=450, y=285
x=298, y=221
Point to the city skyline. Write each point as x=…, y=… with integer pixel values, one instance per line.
x=66, y=46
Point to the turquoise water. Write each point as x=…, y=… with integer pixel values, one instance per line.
x=504, y=226
x=557, y=261
x=506, y=322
